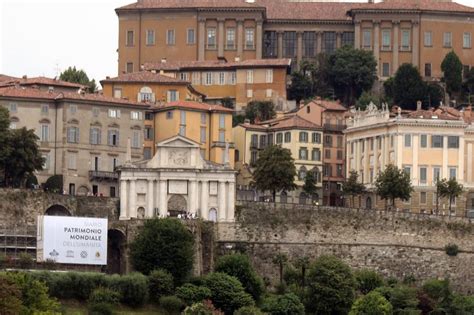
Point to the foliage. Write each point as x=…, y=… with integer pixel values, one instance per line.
x=164, y=243
x=408, y=87
x=260, y=111
x=440, y=292
x=133, y=288
x=371, y=304
x=301, y=87
x=239, y=266
x=104, y=295
x=450, y=189
x=287, y=304
x=388, y=88
x=352, y=72
x=248, y=310
x=100, y=309
x=280, y=260
x=403, y=298
x=5, y=147
x=274, y=170
x=330, y=286
x=227, y=102
x=452, y=72
x=435, y=94
x=237, y=119
x=25, y=261
x=227, y=293
x=205, y=308
x=31, y=181
x=309, y=186
x=160, y=283
x=192, y=294
x=54, y=184
x=468, y=85
x=393, y=183
x=462, y=304
x=73, y=75
x=451, y=249
x=365, y=99
x=10, y=296
x=171, y=304
x=352, y=187
x=367, y=280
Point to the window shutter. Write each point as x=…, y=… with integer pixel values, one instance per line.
x=177, y=95
x=118, y=141
x=77, y=135
x=91, y=139
x=140, y=115
x=109, y=136
x=138, y=97
x=99, y=138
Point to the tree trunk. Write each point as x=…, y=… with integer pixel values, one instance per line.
x=274, y=195
x=437, y=201
x=450, y=202
x=353, y=202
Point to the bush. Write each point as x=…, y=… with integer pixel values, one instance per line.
x=367, y=280
x=100, y=309
x=248, y=310
x=160, y=283
x=371, y=304
x=202, y=308
x=403, y=298
x=49, y=264
x=192, y=294
x=133, y=288
x=452, y=249
x=54, y=184
x=171, y=304
x=239, y=266
x=25, y=261
x=104, y=295
x=287, y=304
x=462, y=304
x=10, y=296
x=164, y=243
x=227, y=293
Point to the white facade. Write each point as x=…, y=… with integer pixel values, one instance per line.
x=177, y=180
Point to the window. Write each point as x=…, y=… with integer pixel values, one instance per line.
x=316, y=155
x=196, y=78
x=146, y=94
x=423, y=197
x=94, y=136
x=222, y=136
x=129, y=68
x=72, y=109
x=136, y=141
x=339, y=154
x=114, y=113
x=46, y=161
x=436, y=174
x=208, y=78
x=221, y=121
x=329, y=42
x=302, y=173
x=249, y=76
x=211, y=38
x=230, y=38
x=423, y=175
x=44, y=137
x=12, y=107
x=113, y=137
x=253, y=157
x=428, y=39
x=150, y=37
x=221, y=78
x=405, y=40
x=466, y=40
x=249, y=93
x=303, y=136
x=279, y=138
x=147, y=153
x=134, y=115
x=172, y=96
x=269, y=76
x=249, y=38
x=95, y=111
x=339, y=169
x=170, y=37
x=263, y=141
x=327, y=171
x=232, y=78
x=72, y=157
x=270, y=44
x=407, y=170
x=423, y=141
x=328, y=141
x=303, y=154
x=367, y=38
x=347, y=39
x=316, y=137
x=268, y=93
x=386, y=39
x=385, y=69
x=95, y=163
x=203, y=134
x=309, y=44
x=289, y=44
x=407, y=141
x=44, y=109
x=436, y=141
x=73, y=135
x=427, y=69
x=169, y=115
x=203, y=118
x=254, y=141
x=184, y=76
x=339, y=141
x=327, y=154
x=452, y=172
x=182, y=123
x=447, y=39
x=130, y=36
x=453, y=142
x=287, y=137
x=148, y=133
x=190, y=36
x=148, y=116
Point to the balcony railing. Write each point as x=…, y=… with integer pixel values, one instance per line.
x=101, y=175
x=333, y=127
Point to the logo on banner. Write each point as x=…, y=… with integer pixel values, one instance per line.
x=84, y=254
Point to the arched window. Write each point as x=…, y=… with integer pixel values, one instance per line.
x=213, y=215
x=141, y=213
x=146, y=94
x=302, y=173
x=303, y=136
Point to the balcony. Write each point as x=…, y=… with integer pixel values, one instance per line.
x=334, y=127
x=102, y=175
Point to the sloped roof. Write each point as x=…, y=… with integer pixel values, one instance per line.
x=42, y=81
x=192, y=105
x=329, y=105
x=145, y=77
x=284, y=123
x=216, y=64
x=4, y=77
x=190, y=4
x=418, y=5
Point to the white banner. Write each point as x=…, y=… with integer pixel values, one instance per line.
x=72, y=240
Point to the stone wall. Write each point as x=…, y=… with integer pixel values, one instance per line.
x=393, y=243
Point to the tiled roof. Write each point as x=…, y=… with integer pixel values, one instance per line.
x=424, y=5
x=145, y=77
x=192, y=105
x=285, y=123
x=329, y=105
x=441, y=113
x=41, y=81
x=4, y=77
x=216, y=64
x=189, y=4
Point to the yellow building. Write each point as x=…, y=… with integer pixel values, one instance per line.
x=301, y=137
x=209, y=125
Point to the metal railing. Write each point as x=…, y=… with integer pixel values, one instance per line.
x=103, y=175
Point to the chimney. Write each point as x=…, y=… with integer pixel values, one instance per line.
x=418, y=105
x=24, y=77
x=371, y=1
x=250, y=1
x=163, y=60
x=300, y=104
x=107, y=77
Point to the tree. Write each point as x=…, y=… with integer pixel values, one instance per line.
x=260, y=111
x=408, y=87
x=452, y=72
x=192, y=294
x=352, y=187
x=330, y=286
x=166, y=244
x=73, y=75
x=309, y=186
x=301, y=87
x=365, y=99
x=5, y=147
x=435, y=94
x=393, y=183
x=450, y=189
x=239, y=266
x=274, y=170
x=352, y=72
x=371, y=304
x=280, y=260
x=10, y=296
x=403, y=298
x=24, y=157
x=468, y=85
x=283, y=305
x=368, y=280
x=227, y=102
x=302, y=263
x=160, y=283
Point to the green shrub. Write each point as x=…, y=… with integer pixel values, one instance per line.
x=3, y=260
x=49, y=264
x=227, y=293
x=160, y=283
x=54, y=184
x=104, y=295
x=171, y=304
x=367, y=280
x=452, y=249
x=239, y=266
x=291, y=275
x=133, y=288
x=10, y=296
x=248, y=310
x=372, y=303
x=202, y=308
x=25, y=261
x=403, y=298
x=288, y=304
x=100, y=309
x=191, y=293
x=462, y=304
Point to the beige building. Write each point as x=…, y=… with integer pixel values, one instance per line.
x=427, y=144
x=82, y=137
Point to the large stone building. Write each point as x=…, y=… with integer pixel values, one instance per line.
x=396, y=31
x=177, y=180
x=82, y=137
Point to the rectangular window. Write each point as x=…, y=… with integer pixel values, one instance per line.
x=94, y=136
x=203, y=118
x=114, y=113
x=453, y=142
x=268, y=93
x=249, y=38
x=327, y=154
x=249, y=76
x=73, y=135
x=407, y=141
x=95, y=111
x=423, y=197
x=134, y=115
x=136, y=142
x=211, y=38
x=221, y=78
x=316, y=137
x=173, y=95
x=44, y=109
x=427, y=69
x=72, y=157
x=147, y=153
x=129, y=68
x=12, y=107
x=428, y=39
x=44, y=133
x=221, y=121
x=113, y=138
x=148, y=133
x=329, y=42
x=222, y=136
x=436, y=141
x=436, y=174
x=367, y=38
x=191, y=36
x=316, y=155
x=130, y=35
x=447, y=39
x=170, y=37
x=347, y=39
x=230, y=38
x=249, y=93
x=72, y=109
x=309, y=44
x=339, y=169
x=339, y=154
x=196, y=78
x=203, y=134
x=303, y=154
x=150, y=37
x=466, y=40
x=253, y=157
x=182, y=117
x=423, y=175
x=452, y=172
x=287, y=137
x=303, y=136
x=289, y=44
x=208, y=78
x=407, y=170
x=232, y=78
x=385, y=69
x=270, y=48
x=279, y=138
x=405, y=40
x=46, y=161
x=269, y=76
x=424, y=141
x=184, y=76
x=386, y=39
x=328, y=141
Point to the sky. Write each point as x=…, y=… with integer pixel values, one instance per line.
x=45, y=37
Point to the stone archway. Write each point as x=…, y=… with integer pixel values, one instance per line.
x=177, y=204
x=116, y=242
x=58, y=210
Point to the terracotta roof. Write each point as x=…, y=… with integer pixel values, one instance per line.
x=216, y=64
x=189, y=4
x=4, y=77
x=191, y=105
x=291, y=122
x=441, y=113
x=329, y=105
x=145, y=77
x=418, y=5
x=42, y=81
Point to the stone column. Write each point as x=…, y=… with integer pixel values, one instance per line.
x=357, y=156
x=204, y=200
x=201, y=39
x=396, y=49
x=357, y=35
x=280, y=44
x=319, y=42
x=469, y=163
x=222, y=202
x=220, y=37
x=461, y=160
x=149, y=196
x=338, y=39
x=399, y=150
x=240, y=38
x=259, y=40
x=163, y=202
x=415, y=52
x=299, y=49
x=384, y=152
x=193, y=200
x=133, y=200
x=376, y=155
x=366, y=167
x=445, y=173
x=377, y=44
x=414, y=144
x=231, y=202
x=123, y=200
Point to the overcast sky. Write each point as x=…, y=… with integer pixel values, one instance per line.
x=45, y=37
